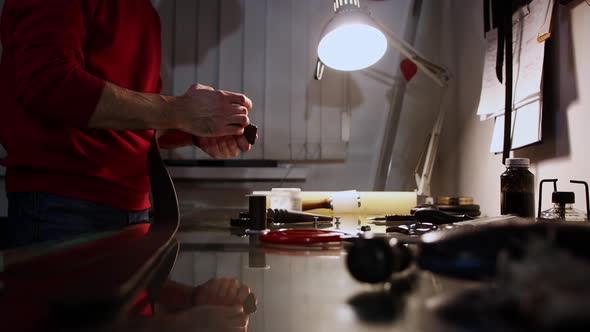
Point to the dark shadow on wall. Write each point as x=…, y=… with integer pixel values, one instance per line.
x=559, y=91
x=352, y=96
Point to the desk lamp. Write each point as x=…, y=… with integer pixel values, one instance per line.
x=353, y=39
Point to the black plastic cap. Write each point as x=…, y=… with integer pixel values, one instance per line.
x=563, y=197
x=374, y=260
x=369, y=260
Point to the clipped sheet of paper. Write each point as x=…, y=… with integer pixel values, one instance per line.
x=528, y=61
x=528, y=70
x=528, y=132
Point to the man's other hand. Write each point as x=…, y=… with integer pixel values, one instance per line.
x=223, y=147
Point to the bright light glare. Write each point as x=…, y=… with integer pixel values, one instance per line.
x=352, y=47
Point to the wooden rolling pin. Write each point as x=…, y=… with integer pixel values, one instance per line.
x=316, y=204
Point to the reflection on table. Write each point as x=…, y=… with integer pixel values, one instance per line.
x=301, y=287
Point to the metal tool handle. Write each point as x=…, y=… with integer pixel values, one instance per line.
x=316, y=204
x=587, y=201
x=289, y=216
x=541, y=193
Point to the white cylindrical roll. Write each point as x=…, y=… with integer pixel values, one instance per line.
x=345, y=201
x=285, y=198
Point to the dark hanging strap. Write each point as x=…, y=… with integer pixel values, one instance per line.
x=486, y=17
x=507, y=29
x=499, y=7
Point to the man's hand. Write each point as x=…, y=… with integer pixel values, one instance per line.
x=216, y=147
x=225, y=291
x=205, y=112
x=201, y=111
x=222, y=147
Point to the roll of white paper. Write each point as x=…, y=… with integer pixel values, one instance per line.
x=345, y=201
x=285, y=198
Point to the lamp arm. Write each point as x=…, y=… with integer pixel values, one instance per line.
x=423, y=179
x=437, y=73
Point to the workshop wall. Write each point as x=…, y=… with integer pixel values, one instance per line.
x=465, y=158
x=287, y=101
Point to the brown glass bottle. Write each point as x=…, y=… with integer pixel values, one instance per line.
x=518, y=188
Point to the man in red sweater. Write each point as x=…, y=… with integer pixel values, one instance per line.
x=79, y=89
x=80, y=100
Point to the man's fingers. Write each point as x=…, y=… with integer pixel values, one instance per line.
x=222, y=290
x=242, y=143
x=200, y=86
x=239, y=320
x=224, y=146
x=231, y=297
x=214, y=151
x=238, y=98
x=234, y=149
x=243, y=293
x=236, y=109
x=239, y=120
x=233, y=129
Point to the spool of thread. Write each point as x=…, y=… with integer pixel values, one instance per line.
x=257, y=210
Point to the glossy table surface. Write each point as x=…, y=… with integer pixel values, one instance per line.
x=303, y=289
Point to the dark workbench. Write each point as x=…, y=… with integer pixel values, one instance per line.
x=306, y=290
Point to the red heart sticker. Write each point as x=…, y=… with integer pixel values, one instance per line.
x=408, y=68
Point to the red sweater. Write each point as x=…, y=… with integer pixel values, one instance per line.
x=56, y=57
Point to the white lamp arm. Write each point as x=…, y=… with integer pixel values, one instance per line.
x=437, y=73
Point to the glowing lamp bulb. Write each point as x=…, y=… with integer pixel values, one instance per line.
x=352, y=47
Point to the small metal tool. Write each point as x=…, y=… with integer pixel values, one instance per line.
x=395, y=217
x=281, y=216
x=425, y=215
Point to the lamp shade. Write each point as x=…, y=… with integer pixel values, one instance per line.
x=351, y=42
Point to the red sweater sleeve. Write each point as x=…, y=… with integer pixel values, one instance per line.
x=46, y=40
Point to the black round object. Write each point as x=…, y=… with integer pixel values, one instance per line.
x=374, y=260
x=365, y=228
x=563, y=197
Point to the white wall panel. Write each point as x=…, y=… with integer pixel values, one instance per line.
x=231, y=48
x=333, y=104
x=185, y=55
x=208, y=36
x=278, y=80
x=316, y=22
x=254, y=66
x=300, y=77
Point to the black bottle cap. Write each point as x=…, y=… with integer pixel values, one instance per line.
x=563, y=197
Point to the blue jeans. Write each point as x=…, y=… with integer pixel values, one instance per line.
x=39, y=217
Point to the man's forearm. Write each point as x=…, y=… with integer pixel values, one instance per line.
x=120, y=108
